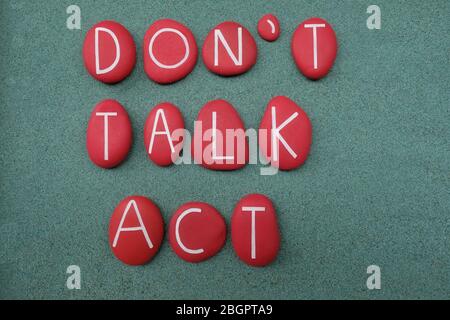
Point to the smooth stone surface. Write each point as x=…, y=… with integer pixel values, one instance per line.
x=292, y=124
x=224, y=59
x=163, y=134
x=314, y=58
x=109, y=134
x=220, y=155
x=269, y=27
x=254, y=230
x=170, y=51
x=139, y=245
x=114, y=57
x=197, y=231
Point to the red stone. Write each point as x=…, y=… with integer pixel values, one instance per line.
x=269, y=27
x=165, y=126
x=109, y=134
x=211, y=148
x=296, y=132
x=227, y=61
x=197, y=231
x=136, y=230
x=115, y=56
x=254, y=230
x=170, y=51
x=303, y=46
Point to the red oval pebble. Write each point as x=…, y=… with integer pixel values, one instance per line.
x=254, y=230
x=109, y=134
x=211, y=147
x=314, y=47
x=285, y=124
x=164, y=133
x=109, y=52
x=136, y=230
x=197, y=231
x=229, y=49
x=269, y=27
x=170, y=51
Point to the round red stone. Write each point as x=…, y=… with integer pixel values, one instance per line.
x=197, y=231
x=287, y=143
x=170, y=51
x=109, y=134
x=314, y=48
x=269, y=27
x=164, y=133
x=136, y=230
x=219, y=141
x=254, y=230
x=109, y=52
x=229, y=49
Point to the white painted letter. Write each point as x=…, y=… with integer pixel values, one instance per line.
x=214, y=140
x=276, y=136
x=105, y=116
x=177, y=231
x=219, y=36
x=97, y=51
x=253, y=211
x=314, y=27
x=186, y=46
x=160, y=113
x=140, y=228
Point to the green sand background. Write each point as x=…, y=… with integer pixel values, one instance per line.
x=375, y=189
